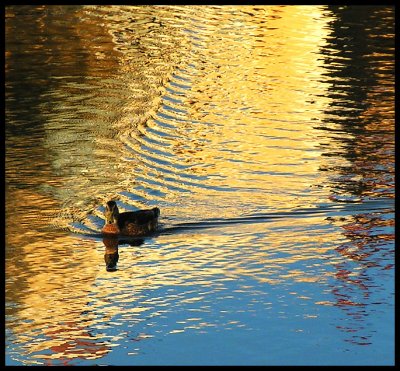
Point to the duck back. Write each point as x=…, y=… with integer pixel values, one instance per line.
x=139, y=218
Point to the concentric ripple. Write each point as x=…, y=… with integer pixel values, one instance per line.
x=265, y=134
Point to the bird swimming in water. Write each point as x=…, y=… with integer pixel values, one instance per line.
x=130, y=223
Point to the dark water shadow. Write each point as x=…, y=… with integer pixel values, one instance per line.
x=349, y=207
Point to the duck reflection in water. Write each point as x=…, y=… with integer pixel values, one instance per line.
x=111, y=255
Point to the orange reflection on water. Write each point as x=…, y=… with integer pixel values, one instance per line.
x=236, y=137
x=42, y=269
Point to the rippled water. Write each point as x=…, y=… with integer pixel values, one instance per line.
x=266, y=137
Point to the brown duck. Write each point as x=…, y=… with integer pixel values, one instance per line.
x=131, y=223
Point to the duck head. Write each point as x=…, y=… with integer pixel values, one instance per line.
x=111, y=214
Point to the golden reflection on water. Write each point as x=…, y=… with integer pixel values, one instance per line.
x=71, y=300
x=230, y=130
x=246, y=144
x=208, y=115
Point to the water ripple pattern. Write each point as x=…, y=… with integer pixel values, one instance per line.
x=265, y=135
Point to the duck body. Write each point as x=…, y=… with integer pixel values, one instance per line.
x=130, y=223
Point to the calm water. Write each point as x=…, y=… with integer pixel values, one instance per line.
x=266, y=137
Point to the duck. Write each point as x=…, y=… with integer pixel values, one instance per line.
x=130, y=223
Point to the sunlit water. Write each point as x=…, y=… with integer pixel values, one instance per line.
x=266, y=137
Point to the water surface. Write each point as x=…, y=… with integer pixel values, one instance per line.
x=266, y=137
